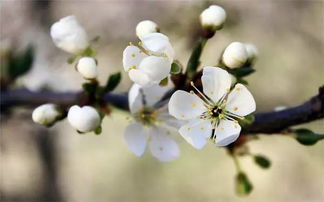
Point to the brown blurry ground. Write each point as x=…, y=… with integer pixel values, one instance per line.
x=59, y=165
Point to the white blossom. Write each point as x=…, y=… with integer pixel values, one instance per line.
x=150, y=61
x=46, y=114
x=69, y=35
x=213, y=17
x=151, y=127
x=83, y=119
x=87, y=67
x=212, y=114
x=146, y=27
x=235, y=55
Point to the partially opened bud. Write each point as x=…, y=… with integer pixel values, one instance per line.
x=235, y=55
x=213, y=17
x=252, y=51
x=146, y=27
x=46, y=114
x=68, y=35
x=84, y=119
x=87, y=67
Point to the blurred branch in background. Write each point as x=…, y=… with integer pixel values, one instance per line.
x=266, y=122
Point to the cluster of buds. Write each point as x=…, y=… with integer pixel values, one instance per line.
x=70, y=36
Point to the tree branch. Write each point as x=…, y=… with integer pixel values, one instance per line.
x=266, y=122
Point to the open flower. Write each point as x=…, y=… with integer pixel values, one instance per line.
x=69, y=35
x=214, y=113
x=150, y=61
x=152, y=126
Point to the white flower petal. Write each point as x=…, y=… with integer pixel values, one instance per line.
x=135, y=99
x=162, y=146
x=132, y=57
x=227, y=132
x=139, y=77
x=240, y=101
x=156, y=68
x=196, y=132
x=158, y=43
x=185, y=106
x=216, y=82
x=135, y=138
x=151, y=95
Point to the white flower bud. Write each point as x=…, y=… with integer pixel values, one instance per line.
x=252, y=51
x=235, y=55
x=146, y=27
x=213, y=17
x=87, y=67
x=83, y=119
x=68, y=35
x=46, y=114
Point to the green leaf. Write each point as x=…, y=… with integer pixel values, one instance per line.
x=241, y=71
x=307, y=137
x=21, y=63
x=262, y=161
x=194, y=59
x=248, y=120
x=243, y=185
x=89, y=87
x=113, y=81
x=175, y=68
x=98, y=130
x=164, y=81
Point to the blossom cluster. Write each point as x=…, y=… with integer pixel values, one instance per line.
x=211, y=111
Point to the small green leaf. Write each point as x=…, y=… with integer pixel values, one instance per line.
x=98, y=130
x=20, y=64
x=89, y=87
x=247, y=120
x=242, y=81
x=164, y=81
x=175, y=68
x=113, y=81
x=262, y=161
x=89, y=52
x=307, y=137
x=241, y=71
x=243, y=185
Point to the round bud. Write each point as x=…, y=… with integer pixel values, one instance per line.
x=46, y=114
x=252, y=51
x=146, y=27
x=84, y=119
x=68, y=35
x=235, y=55
x=87, y=67
x=213, y=17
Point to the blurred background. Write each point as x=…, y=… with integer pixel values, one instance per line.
x=57, y=164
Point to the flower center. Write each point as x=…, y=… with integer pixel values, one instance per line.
x=147, y=116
